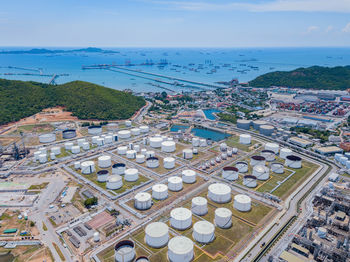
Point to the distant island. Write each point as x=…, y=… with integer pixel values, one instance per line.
x=39, y=51
x=19, y=99
x=315, y=77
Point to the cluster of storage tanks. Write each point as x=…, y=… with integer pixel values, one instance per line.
x=225, y=153
x=143, y=200
x=343, y=159
x=262, y=126
x=260, y=170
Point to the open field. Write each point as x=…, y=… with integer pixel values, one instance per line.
x=233, y=141
x=26, y=254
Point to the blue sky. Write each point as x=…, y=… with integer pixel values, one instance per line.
x=177, y=23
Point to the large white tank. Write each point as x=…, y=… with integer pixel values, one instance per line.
x=293, y=161
x=169, y=162
x=118, y=169
x=230, y=173
x=52, y=156
x=94, y=130
x=242, y=167
x=160, y=191
x=94, y=139
x=102, y=175
x=277, y=168
x=43, y=158
x=219, y=193
x=68, y=145
x=100, y=141
x=181, y=218
x=43, y=150
x=131, y=154
x=223, y=147
x=143, y=201
x=75, y=149
x=47, y=138
x=131, y=175
x=77, y=165
x=152, y=162
x=343, y=160
x=157, y=234
x=168, y=146
x=284, y=152
x=144, y=129
x=175, y=183
x=108, y=139
x=155, y=142
x=144, y=151
x=180, y=249
x=257, y=160
x=135, y=131
x=243, y=124
x=245, y=139
x=261, y=172
x=96, y=236
x=266, y=130
x=203, y=232
x=223, y=217
x=122, y=150
x=124, y=251
x=86, y=146
x=150, y=154
x=249, y=181
x=187, y=153
x=87, y=167
x=202, y=142
x=195, y=141
x=199, y=206
x=188, y=176
x=36, y=155
x=124, y=134
x=273, y=147
x=114, y=182
x=80, y=141
x=104, y=161
x=242, y=203
x=140, y=159
x=56, y=150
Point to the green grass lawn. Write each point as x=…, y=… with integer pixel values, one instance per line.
x=233, y=141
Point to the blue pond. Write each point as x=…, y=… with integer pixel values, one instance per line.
x=176, y=128
x=207, y=133
x=209, y=113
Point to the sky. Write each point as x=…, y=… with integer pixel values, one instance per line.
x=175, y=23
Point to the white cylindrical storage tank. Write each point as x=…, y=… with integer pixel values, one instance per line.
x=293, y=161
x=242, y=203
x=68, y=145
x=175, y=183
x=187, y=153
x=108, y=139
x=202, y=142
x=143, y=201
x=36, y=155
x=43, y=150
x=96, y=237
x=343, y=160
x=243, y=124
x=135, y=131
x=223, y=217
x=131, y=175
x=199, y=206
x=180, y=249
x=257, y=160
x=144, y=129
x=284, y=152
x=87, y=167
x=160, y=191
x=140, y=159
x=277, y=168
x=150, y=154
x=181, y=218
x=122, y=150
x=75, y=149
x=168, y=146
x=124, y=134
x=56, y=150
x=47, y=138
x=338, y=156
x=245, y=139
x=219, y=193
x=261, y=172
x=124, y=251
x=52, y=156
x=269, y=155
x=229, y=152
x=188, y=176
x=94, y=130
x=43, y=158
x=86, y=146
x=266, y=130
x=230, y=173
x=169, y=162
x=104, y=161
x=242, y=167
x=102, y=175
x=258, y=123
x=155, y=142
x=152, y=162
x=114, y=182
x=203, y=232
x=272, y=147
x=128, y=123
x=131, y=154
x=137, y=148
x=118, y=169
x=94, y=139
x=195, y=141
x=249, y=181
x=157, y=234
x=81, y=141
x=223, y=147
x=76, y=165
x=100, y=141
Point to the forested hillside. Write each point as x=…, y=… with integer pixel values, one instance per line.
x=20, y=99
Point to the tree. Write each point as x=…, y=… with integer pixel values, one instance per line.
x=90, y=202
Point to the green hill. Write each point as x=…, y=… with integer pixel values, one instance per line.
x=315, y=77
x=19, y=99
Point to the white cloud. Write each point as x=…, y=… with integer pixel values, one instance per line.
x=312, y=28
x=329, y=29
x=346, y=29
x=338, y=6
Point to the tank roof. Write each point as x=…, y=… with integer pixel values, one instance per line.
x=157, y=229
x=180, y=245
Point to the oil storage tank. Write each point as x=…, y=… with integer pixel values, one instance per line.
x=135, y=131
x=168, y=146
x=143, y=201
x=269, y=155
x=219, y=193
x=160, y=191
x=95, y=130
x=242, y=203
x=152, y=162
x=144, y=129
x=266, y=130
x=258, y=123
x=257, y=160
x=181, y=218
x=261, y=172
x=244, y=124
x=245, y=139
x=87, y=167
x=272, y=147
x=131, y=175
x=180, y=248
x=124, y=134
x=118, y=169
x=104, y=161
x=249, y=181
x=277, y=168
x=155, y=142
x=230, y=173
x=47, y=138
x=102, y=175
x=69, y=133
x=293, y=161
x=223, y=217
x=199, y=206
x=187, y=153
x=189, y=176
x=124, y=251
x=175, y=183
x=203, y=232
x=169, y=162
x=157, y=234
x=242, y=166
x=114, y=182
x=284, y=152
